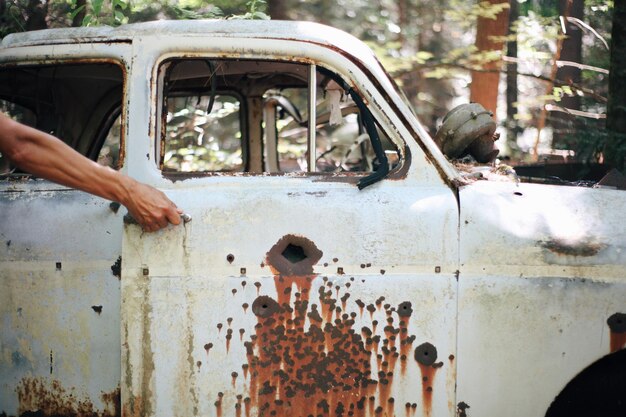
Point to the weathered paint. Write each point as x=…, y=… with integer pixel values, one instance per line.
x=296, y=294
x=542, y=277
x=59, y=304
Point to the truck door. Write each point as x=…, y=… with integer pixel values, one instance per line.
x=60, y=248
x=291, y=291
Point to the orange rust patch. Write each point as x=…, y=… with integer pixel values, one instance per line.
x=305, y=357
x=617, y=326
x=293, y=256
x=50, y=398
x=618, y=341
x=133, y=408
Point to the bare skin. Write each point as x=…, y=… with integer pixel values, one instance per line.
x=48, y=157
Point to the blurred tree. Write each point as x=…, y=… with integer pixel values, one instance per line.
x=491, y=28
x=570, y=12
x=277, y=9
x=615, y=149
x=512, y=127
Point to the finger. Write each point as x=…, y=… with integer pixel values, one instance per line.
x=173, y=215
x=161, y=222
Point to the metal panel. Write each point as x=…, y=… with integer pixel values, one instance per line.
x=266, y=303
x=542, y=271
x=59, y=304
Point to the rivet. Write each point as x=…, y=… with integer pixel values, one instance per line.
x=242, y=271
x=437, y=269
x=146, y=271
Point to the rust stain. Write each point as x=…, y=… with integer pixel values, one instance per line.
x=133, y=408
x=580, y=248
x=617, y=326
x=293, y=256
x=48, y=398
x=324, y=369
x=428, y=379
x=218, y=404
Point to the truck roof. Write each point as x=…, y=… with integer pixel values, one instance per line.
x=269, y=29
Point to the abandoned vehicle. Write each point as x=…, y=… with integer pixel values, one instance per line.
x=335, y=262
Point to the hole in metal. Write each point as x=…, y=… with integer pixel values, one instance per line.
x=264, y=306
x=426, y=354
x=294, y=253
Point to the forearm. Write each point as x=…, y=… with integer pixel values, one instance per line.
x=46, y=156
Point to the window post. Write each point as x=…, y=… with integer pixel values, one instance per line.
x=312, y=117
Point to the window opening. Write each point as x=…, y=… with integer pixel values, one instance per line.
x=229, y=115
x=78, y=103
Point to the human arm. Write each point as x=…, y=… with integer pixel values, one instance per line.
x=48, y=157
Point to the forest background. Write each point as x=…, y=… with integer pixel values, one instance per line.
x=553, y=72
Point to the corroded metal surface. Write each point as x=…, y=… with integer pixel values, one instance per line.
x=57, y=350
x=542, y=283
x=242, y=322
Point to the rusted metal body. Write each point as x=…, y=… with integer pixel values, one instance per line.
x=297, y=294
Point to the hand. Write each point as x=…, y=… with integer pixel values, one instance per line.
x=151, y=208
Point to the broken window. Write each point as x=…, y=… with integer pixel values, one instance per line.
x=76, y=102
x=236, y=115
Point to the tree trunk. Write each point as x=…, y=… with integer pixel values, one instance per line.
x=36, y=11
x=277, y=9
x=570, y=51
x=615, y=150
x=484, y=88
x=512, y=128
x=80, y=16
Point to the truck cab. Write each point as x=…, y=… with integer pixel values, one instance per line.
x=335, y=263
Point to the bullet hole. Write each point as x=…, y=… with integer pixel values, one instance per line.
x=325, y=263
x=242, y=271
x=362, y=266
x=335, y=260
x=116, y=268
x=244, y=283
x=199, y=364
x=257, y=285
x=340, y=271
x=58, y=266
x=462, y=409
x=230, y=258
x=517, y=193
x=8, y=243
x=294, y=253
x=146, y=271
x=382, y=272
x=219, y=326
x=426, y=354
x=229, y=321
x=617, y=323
x=405, y=309
x=264, y=306
x=437, y=269
x=208, y=347
x=451, y=357
x=114, y=206
x=97, y=309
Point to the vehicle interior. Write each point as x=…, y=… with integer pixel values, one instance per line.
x=235, y=115
x=80, y=103
x=217, y=116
